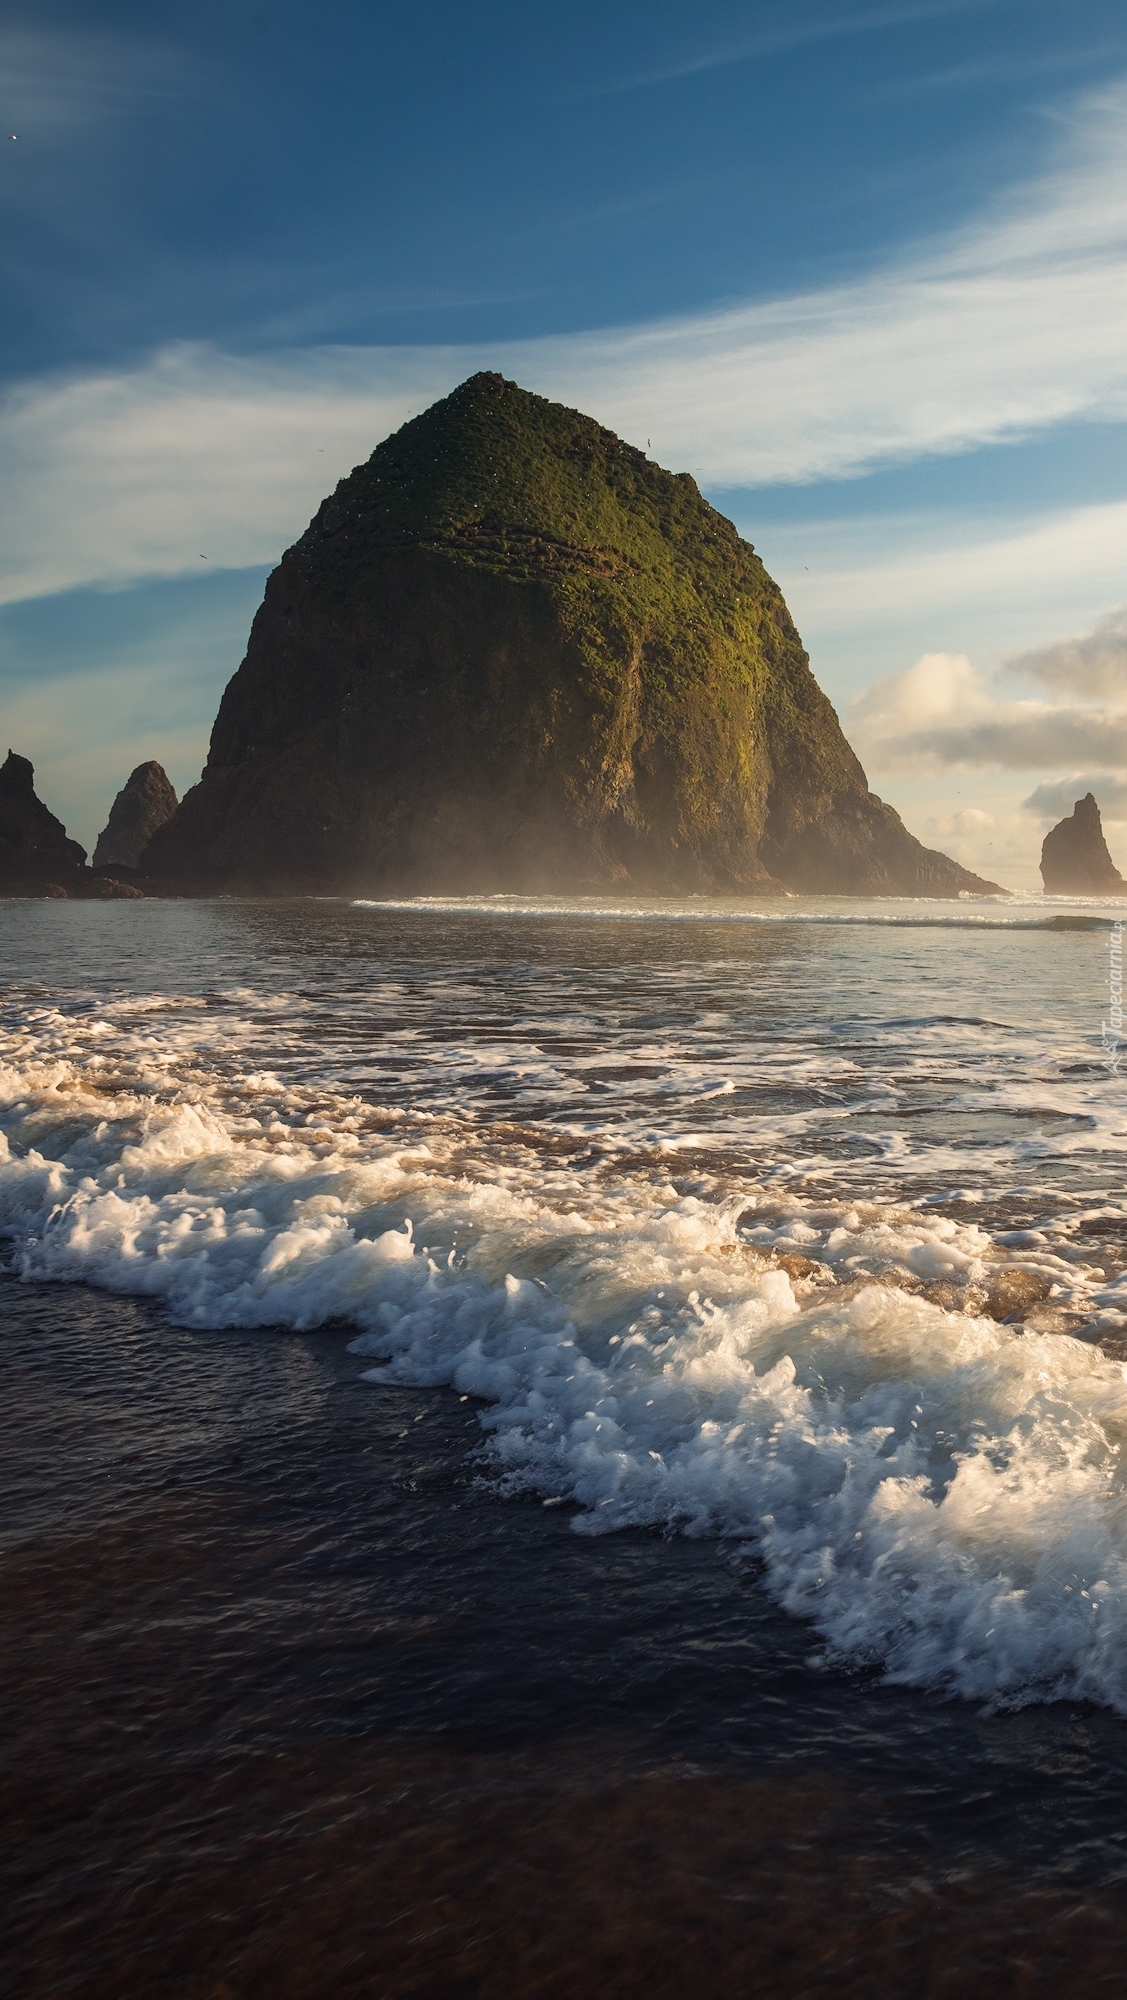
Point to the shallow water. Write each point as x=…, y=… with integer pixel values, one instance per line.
x=755, y=1281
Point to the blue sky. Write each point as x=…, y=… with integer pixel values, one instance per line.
x=861, y=268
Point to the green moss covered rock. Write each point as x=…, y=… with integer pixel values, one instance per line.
x=510, y=653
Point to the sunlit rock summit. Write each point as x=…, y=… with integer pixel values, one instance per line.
x=1074, y=856
x=510, y=653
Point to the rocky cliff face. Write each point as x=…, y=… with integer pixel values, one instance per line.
x=510, y=653
x=144, y=803
x=33, y=844
x=1074, y=856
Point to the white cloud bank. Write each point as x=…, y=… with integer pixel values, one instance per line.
x=942, y=714
x=1010, y=325
x=1095, y=664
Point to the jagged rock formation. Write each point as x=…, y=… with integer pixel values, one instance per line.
x=144, y=803
x=33, y=844
x=511, y=653
x=36, y=857
x=1074, y=856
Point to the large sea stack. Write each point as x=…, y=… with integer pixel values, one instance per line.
x=1074, y=856
x=510, y=653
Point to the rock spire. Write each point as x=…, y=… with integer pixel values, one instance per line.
x=144, y=803
x=1074, y=856
x=33, y=844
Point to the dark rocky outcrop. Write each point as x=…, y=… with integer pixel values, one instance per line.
x=33, y=844
x=511, y=653
x=95, y=886
x=36, y=857
x=1074, y=856
x=144, y=803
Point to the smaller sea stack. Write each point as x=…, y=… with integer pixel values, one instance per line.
x=33, y=844
x=144, y=803
x=1074, y=856
x=36, y=857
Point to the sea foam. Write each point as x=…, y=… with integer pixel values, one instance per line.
x=939, y=1495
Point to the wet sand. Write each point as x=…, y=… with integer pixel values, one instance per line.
x=293, y=1708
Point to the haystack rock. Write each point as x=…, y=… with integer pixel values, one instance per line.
x=34, y=849
x=510, y=653
x=1074, y=856
x=144, y=803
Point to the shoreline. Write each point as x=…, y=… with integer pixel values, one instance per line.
x=303, y=1708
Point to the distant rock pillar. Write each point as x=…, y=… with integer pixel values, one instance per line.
x=33, y=844
x=145, y=802
x=1074, y=856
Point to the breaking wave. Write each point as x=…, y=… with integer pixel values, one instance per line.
x=884, y=1406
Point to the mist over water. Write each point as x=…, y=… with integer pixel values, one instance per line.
x=801, y=1227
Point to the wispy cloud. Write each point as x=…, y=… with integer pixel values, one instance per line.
x=197, y=457
x=989, y=71
x=1006, y=326
x=1010, y=326
x=797, y=34
x=928, y=572
x=52, y=83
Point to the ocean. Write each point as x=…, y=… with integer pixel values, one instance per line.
x=546, y=1438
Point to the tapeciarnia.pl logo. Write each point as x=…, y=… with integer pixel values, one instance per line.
x=1111, y=1030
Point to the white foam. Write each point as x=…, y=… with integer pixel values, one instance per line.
x=1021, y=909
x=934, y=1492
